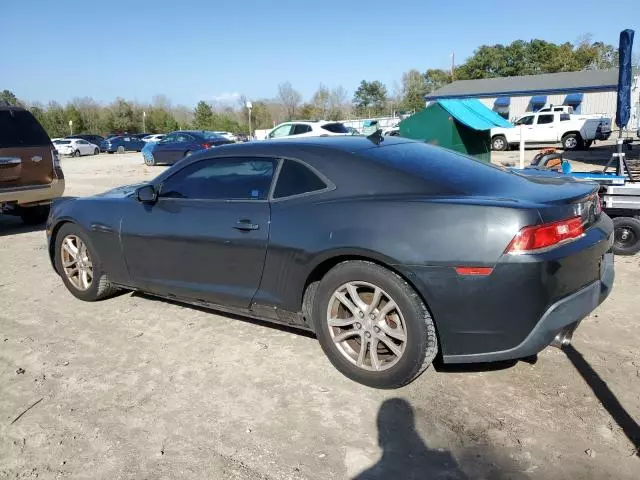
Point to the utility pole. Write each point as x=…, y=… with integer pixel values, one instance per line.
x=453, y=66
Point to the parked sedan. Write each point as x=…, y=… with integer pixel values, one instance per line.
x=75, y=147
x=121, y=144
x=178, y=145
x=390, y=251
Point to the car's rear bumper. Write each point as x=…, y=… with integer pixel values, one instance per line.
x=34, y=194
x=563, y=314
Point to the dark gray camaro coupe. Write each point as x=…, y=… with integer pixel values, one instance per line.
x=389, y=251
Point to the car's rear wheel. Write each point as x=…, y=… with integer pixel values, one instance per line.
x=78, y=264
x=572, y=141
x=120, y=149
x=34, y=215
x=373, y=326
x=499, y=143
x=626, y=236
x=76, y=153
x=96, y=151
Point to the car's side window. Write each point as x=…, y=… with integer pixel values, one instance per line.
x=183, y=138
x=300, y=128
x=543, y=119
x=296, y=178
x=82, y=142
x=282, y=131
x=528, y=120
x=169, y=138
x=222, y=179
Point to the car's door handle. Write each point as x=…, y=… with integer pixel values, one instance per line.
x=246, y=225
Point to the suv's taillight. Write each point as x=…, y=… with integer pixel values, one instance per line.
x=55, y=158
x=540, y=237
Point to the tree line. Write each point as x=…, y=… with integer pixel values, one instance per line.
x=370, y=98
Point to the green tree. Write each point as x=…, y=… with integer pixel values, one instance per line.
x=370, y=97
x=120, y=117
x=8, y=98
x=203, y=116
x=54, y=120
x=434, y=78
x=72, y=114
x=414, y=88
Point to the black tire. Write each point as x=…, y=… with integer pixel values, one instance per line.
x=100, y=287
x=110, y=153
x=499, y=143
x=572, y=141
x=149, y=162
x=34, y=215
x=421, y=344
x=76, y=153
x=120, y=149
x=588, y=144
x=96, y=151
x=626, y=236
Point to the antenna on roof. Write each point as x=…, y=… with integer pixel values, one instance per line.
x=376, y=137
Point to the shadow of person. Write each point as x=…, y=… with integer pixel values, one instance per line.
x=404, y=454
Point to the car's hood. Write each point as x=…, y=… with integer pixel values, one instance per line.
x=120, y=192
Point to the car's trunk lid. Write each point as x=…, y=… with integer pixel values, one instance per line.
x=25, y=151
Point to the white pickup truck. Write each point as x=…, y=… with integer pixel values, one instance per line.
x=550, y=127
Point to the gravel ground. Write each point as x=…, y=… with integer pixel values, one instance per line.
x=133, y=387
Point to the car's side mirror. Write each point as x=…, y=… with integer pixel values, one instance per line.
x=147, y=194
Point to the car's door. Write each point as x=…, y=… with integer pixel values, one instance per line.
x=84, y=147
x=206, y=236
x=526, y=123
x=161, y=149
x=176, y=149
x=545, y=128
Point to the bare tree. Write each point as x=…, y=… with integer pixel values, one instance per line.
x=339, y=107
x=321, y=100
x=290, y=98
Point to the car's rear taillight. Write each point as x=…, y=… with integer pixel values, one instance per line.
x=205, y=145
x=540, y=237
x=55, y=158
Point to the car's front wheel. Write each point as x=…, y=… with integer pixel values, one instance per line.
x=373, y=326
x=149, y=160
x=78, y=264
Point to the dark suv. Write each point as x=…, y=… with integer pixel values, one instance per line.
x=30, y=173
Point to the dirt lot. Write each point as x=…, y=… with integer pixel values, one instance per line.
x=133, y=387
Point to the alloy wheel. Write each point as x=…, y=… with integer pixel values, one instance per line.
x=571, y=143
x=76, y=262
x=367, y=326
x=498, y=144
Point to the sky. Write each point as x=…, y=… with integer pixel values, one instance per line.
x=193, y=50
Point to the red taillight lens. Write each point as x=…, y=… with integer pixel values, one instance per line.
x=206, y=145
x=537, y=237
x=479, y=271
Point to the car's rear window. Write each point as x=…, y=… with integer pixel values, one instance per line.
x=445, y=168
x=62, y=142
x=212, y=136
x=335, y=128
x=18, y=128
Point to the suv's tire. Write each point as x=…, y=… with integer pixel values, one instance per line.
x=97, y=286
x=34, y=215
x=572, y=141
x=499, y=143
x=409, y=319
x=626, y=235
x=76, y=153
x=96, y=151
x=120, y=149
